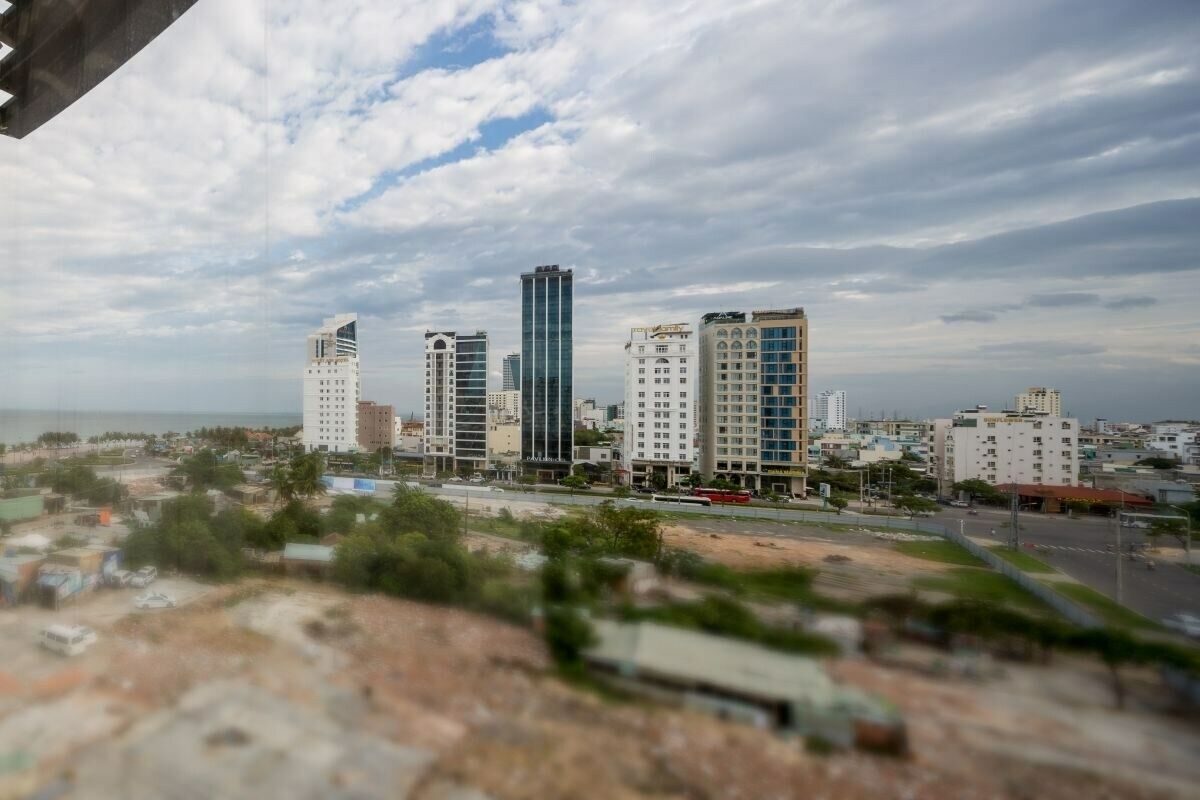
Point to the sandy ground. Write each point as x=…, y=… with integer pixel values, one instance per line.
x=853, y=565
x=478, y=696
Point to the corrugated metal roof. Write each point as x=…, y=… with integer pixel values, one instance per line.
x=307, y=552
x=712, y=660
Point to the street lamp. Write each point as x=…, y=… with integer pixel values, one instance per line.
x=1187, y=543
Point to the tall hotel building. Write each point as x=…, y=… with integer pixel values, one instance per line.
x=661, y=377
x=331, y=387
x=456, y=370
x=547, y=369
x=753, y=409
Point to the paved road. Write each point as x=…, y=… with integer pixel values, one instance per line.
x=1079, y=548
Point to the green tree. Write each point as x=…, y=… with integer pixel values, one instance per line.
x=838, y=503
x=914, y=505
x=574, y=482
x=280, y=479
x=305, y=473
x=1158, y=462
x=977, y=489
x=204, y=470
x=414, y=510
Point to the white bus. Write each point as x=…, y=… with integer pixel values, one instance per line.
x=681, y=499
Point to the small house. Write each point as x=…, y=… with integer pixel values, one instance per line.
x=309, y=560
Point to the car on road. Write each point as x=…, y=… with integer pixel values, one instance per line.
x=960, y=504
x=154, y=600
x=144, y=577
x=456, y=479
x=1187, y=624
x=67, y=640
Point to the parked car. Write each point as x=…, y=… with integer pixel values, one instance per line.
x=1187, y=624
x=456, y=479
x=144, y=577
x=476, y=479
x=154, y=600
x=121, y=577
x=67, y=640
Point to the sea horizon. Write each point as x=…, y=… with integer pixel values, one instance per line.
x=18, y=425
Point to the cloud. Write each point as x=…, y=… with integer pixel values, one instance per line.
x=1062, y=300
x=969, y=316
x=1130, y=301
x=1040, y=349
x=420, y=154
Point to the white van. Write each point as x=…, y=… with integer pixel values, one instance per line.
x=68, y=640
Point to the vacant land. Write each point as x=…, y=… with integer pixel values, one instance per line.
x=1108, y=610
x=335, y=695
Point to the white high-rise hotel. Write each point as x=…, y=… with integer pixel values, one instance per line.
x=331, y=386
x=660, y=396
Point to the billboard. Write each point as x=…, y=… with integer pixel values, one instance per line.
x=364, y=485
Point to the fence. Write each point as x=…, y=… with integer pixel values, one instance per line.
x=1070, y=610
x=1062, y=605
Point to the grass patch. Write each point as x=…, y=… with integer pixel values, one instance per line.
x=944, y=552
x=1108, y=610
x=1022, y=560
x=968, y=583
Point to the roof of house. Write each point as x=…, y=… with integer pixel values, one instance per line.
x=701, y=658
x=1106, y=496
x=307, y=552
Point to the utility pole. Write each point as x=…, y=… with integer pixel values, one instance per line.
x=1187, y=543
x=1016, y=531
x=861, y=508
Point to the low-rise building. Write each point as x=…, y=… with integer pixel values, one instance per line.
x=310, y=560
x=504, y=439
x=1005, y=447
x=740, y=681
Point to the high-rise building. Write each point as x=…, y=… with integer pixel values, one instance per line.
x=830, y=407
x=331, y=386
x=1039, y=399
x=376, y=426
x=753, y=409
x=660, y=398
x=455, y=431
x=1005, y=447
x=547, y=370
x=512, y=372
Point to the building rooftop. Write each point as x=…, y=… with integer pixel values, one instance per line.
x=308, y=552
x=701, y=658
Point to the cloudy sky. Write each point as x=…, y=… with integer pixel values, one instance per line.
x=966, y=198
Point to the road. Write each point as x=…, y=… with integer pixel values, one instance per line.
x=1078, y=547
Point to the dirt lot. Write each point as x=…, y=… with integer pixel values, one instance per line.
x=467, y=702
x=853, y=564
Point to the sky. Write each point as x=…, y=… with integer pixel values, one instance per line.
x=966, y=198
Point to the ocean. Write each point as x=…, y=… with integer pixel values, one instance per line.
x=18, y=426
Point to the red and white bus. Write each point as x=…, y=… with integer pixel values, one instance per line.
x=723, y=495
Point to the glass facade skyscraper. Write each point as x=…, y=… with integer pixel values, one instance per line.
x=512, y=373
x=547, y=368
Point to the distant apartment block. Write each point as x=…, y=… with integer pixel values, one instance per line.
x=331, y=387
x=455, y=432
x=753, y=409
x=511, y=373
x=547, y=370
x=376, y=426
x=1039, y=399
x=410, y=435
x=1004, y=447
x=661, y=377
x=504, y=405
x=830, y=407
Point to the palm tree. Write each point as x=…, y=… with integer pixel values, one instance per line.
x=281, y=482
x=306, y=475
